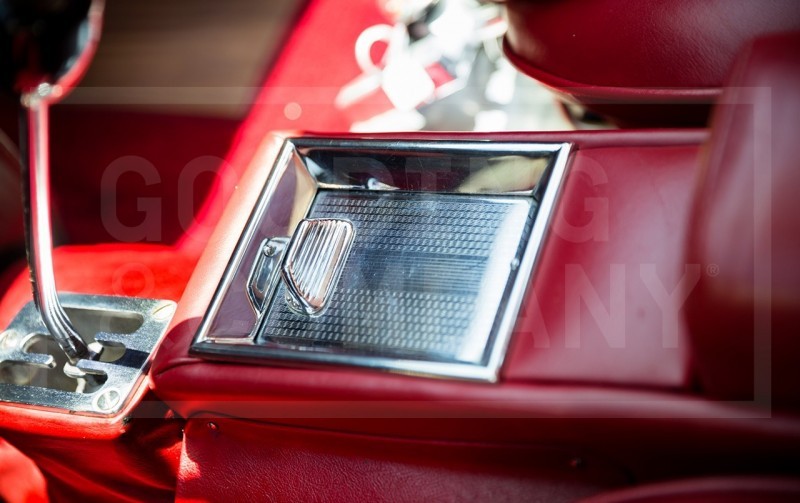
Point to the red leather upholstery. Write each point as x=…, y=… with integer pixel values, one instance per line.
x=598, y=309
x=416, y=438
x=711, y=490
x=639, y=53
x=137, y=463
x=744, y=320
x=20, y=479
x=635, y=412
x=233, y=460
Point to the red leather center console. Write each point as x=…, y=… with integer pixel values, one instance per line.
x=620, y=189
x=595, y=340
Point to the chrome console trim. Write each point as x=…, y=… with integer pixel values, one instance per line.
x=214, y=343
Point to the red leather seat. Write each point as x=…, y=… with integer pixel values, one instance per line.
x=635, y=61
x=744, y=314
x=20, y=479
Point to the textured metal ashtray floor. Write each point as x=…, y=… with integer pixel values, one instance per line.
x=425, y=279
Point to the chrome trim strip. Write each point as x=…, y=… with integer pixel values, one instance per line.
x=281, y=163
x=241, y=351
x=514, y=147
x=529, y=259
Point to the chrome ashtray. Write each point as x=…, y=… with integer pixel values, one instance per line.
x=412, y=257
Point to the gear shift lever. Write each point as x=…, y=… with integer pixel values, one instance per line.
x=48, y=46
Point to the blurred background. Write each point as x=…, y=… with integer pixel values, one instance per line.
x=209, y=58
x=173, y=80
x=216, y=53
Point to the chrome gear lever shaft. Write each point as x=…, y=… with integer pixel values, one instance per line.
x=49, y=44
x=38, y=234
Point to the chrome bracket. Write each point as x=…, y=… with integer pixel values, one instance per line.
x=265, y=271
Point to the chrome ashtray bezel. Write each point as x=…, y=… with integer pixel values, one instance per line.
x=314, y=164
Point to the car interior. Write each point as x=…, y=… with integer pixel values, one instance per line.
x=400, y=250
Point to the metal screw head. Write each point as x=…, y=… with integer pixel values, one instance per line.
x=108, y=400
x=212, y=426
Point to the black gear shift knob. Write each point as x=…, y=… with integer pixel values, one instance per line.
x=46, y=42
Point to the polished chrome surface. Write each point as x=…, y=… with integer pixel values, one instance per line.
x=425, y=279
x=265, y=272
x=56, y=41
x=33, y=372
x=314, y=262
x=39, y=238
x=463, y=167
x=309, y=170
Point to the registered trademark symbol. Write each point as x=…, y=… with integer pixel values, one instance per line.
x=712, y=269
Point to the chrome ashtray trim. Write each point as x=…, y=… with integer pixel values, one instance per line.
x=545, y=191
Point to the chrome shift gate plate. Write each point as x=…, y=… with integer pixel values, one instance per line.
x=34, y=370
x=412, y=257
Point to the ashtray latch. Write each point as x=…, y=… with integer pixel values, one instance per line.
x=314, y=261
